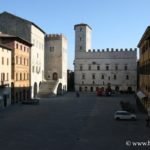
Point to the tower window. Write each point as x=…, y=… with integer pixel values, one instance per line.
x=81, y=29
x=51, y=49
x=81, y=68
x=80, y=47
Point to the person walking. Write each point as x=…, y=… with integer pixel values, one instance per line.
x=77, y=94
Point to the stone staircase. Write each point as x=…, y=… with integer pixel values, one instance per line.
x=47, y=89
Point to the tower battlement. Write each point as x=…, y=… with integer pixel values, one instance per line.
x=113, y=50
x=54, y=36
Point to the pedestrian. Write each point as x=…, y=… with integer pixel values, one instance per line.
x=147, y=121
x=77, y=94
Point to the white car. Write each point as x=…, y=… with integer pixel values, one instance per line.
x=124, y=115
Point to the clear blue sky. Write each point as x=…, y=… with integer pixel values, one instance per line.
x=115, y=23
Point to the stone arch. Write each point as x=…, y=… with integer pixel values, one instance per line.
x=35, y=89
x=59, y=89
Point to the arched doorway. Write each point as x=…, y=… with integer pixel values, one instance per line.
x=59, y=89
x=35, y=89
x=85, y=89
x=129, y=89
x=80, y=88
x=91, y=89
x=117, y=88
x=55, y=76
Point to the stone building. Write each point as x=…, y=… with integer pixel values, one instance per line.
x=20, y=75
x=55, y=64
x=29, y=31
x=99, y=68
x=144, y=68
x=5, y=75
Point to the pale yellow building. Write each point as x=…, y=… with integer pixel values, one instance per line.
x=21, y=84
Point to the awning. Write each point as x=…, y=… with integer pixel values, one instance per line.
x=141, y=95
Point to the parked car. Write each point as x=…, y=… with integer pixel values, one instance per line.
x=124, y=115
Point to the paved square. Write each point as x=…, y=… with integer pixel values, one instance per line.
x=71, y=123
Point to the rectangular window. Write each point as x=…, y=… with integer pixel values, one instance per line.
x=81, y=68
x=93, y=76
x=20, y=47
x=115, y=77
x=80, y=47
x=98, y=67
x=116, y=67
x=2, y=76
x=107, y=67
x=102, y=76
x=20, y=76
x=89, y=67
x=16, y=45
x=125, y=67
x=16, y=59
x=83, y=76
x=51, y=49
x=2, y=60
x=127, y=77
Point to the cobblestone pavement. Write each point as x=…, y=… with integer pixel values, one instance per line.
x=70, y=123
